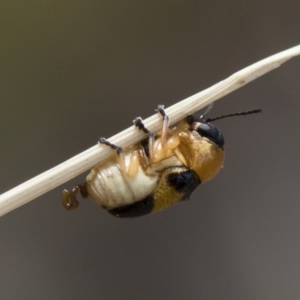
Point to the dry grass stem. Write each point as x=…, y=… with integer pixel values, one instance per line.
x=80, y=163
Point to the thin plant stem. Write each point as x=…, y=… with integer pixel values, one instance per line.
x=84, y=161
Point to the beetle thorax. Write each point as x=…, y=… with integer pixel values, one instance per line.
x=202, y=155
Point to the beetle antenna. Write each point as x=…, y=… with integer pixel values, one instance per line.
x=210, y=106
x=242, y=113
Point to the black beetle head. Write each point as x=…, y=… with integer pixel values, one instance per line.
x=211, y=132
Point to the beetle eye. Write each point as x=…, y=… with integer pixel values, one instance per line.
x=212, y=133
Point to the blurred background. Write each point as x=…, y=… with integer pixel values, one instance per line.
x=72, y=71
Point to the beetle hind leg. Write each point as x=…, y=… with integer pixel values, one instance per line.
x=69, y=200
x=133, y=166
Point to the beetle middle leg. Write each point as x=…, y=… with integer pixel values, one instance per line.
x=165, y=126
x=138, y=122
x=134, y=163
x=158, y=149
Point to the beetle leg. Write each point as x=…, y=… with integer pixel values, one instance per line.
x=120, y=152
x=163, y=145
x=133, y=162
x=69, y=200
x=138, y=122
x=165, y=126
x=157, y=149
x=104, y=141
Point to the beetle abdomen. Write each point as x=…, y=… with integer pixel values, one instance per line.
x=110, y=188
x=176, y=184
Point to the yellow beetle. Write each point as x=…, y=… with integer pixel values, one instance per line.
x=158, y=172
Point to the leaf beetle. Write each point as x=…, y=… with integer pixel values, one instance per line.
x=160, y=171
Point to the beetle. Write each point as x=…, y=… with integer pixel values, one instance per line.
x=161, y=170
